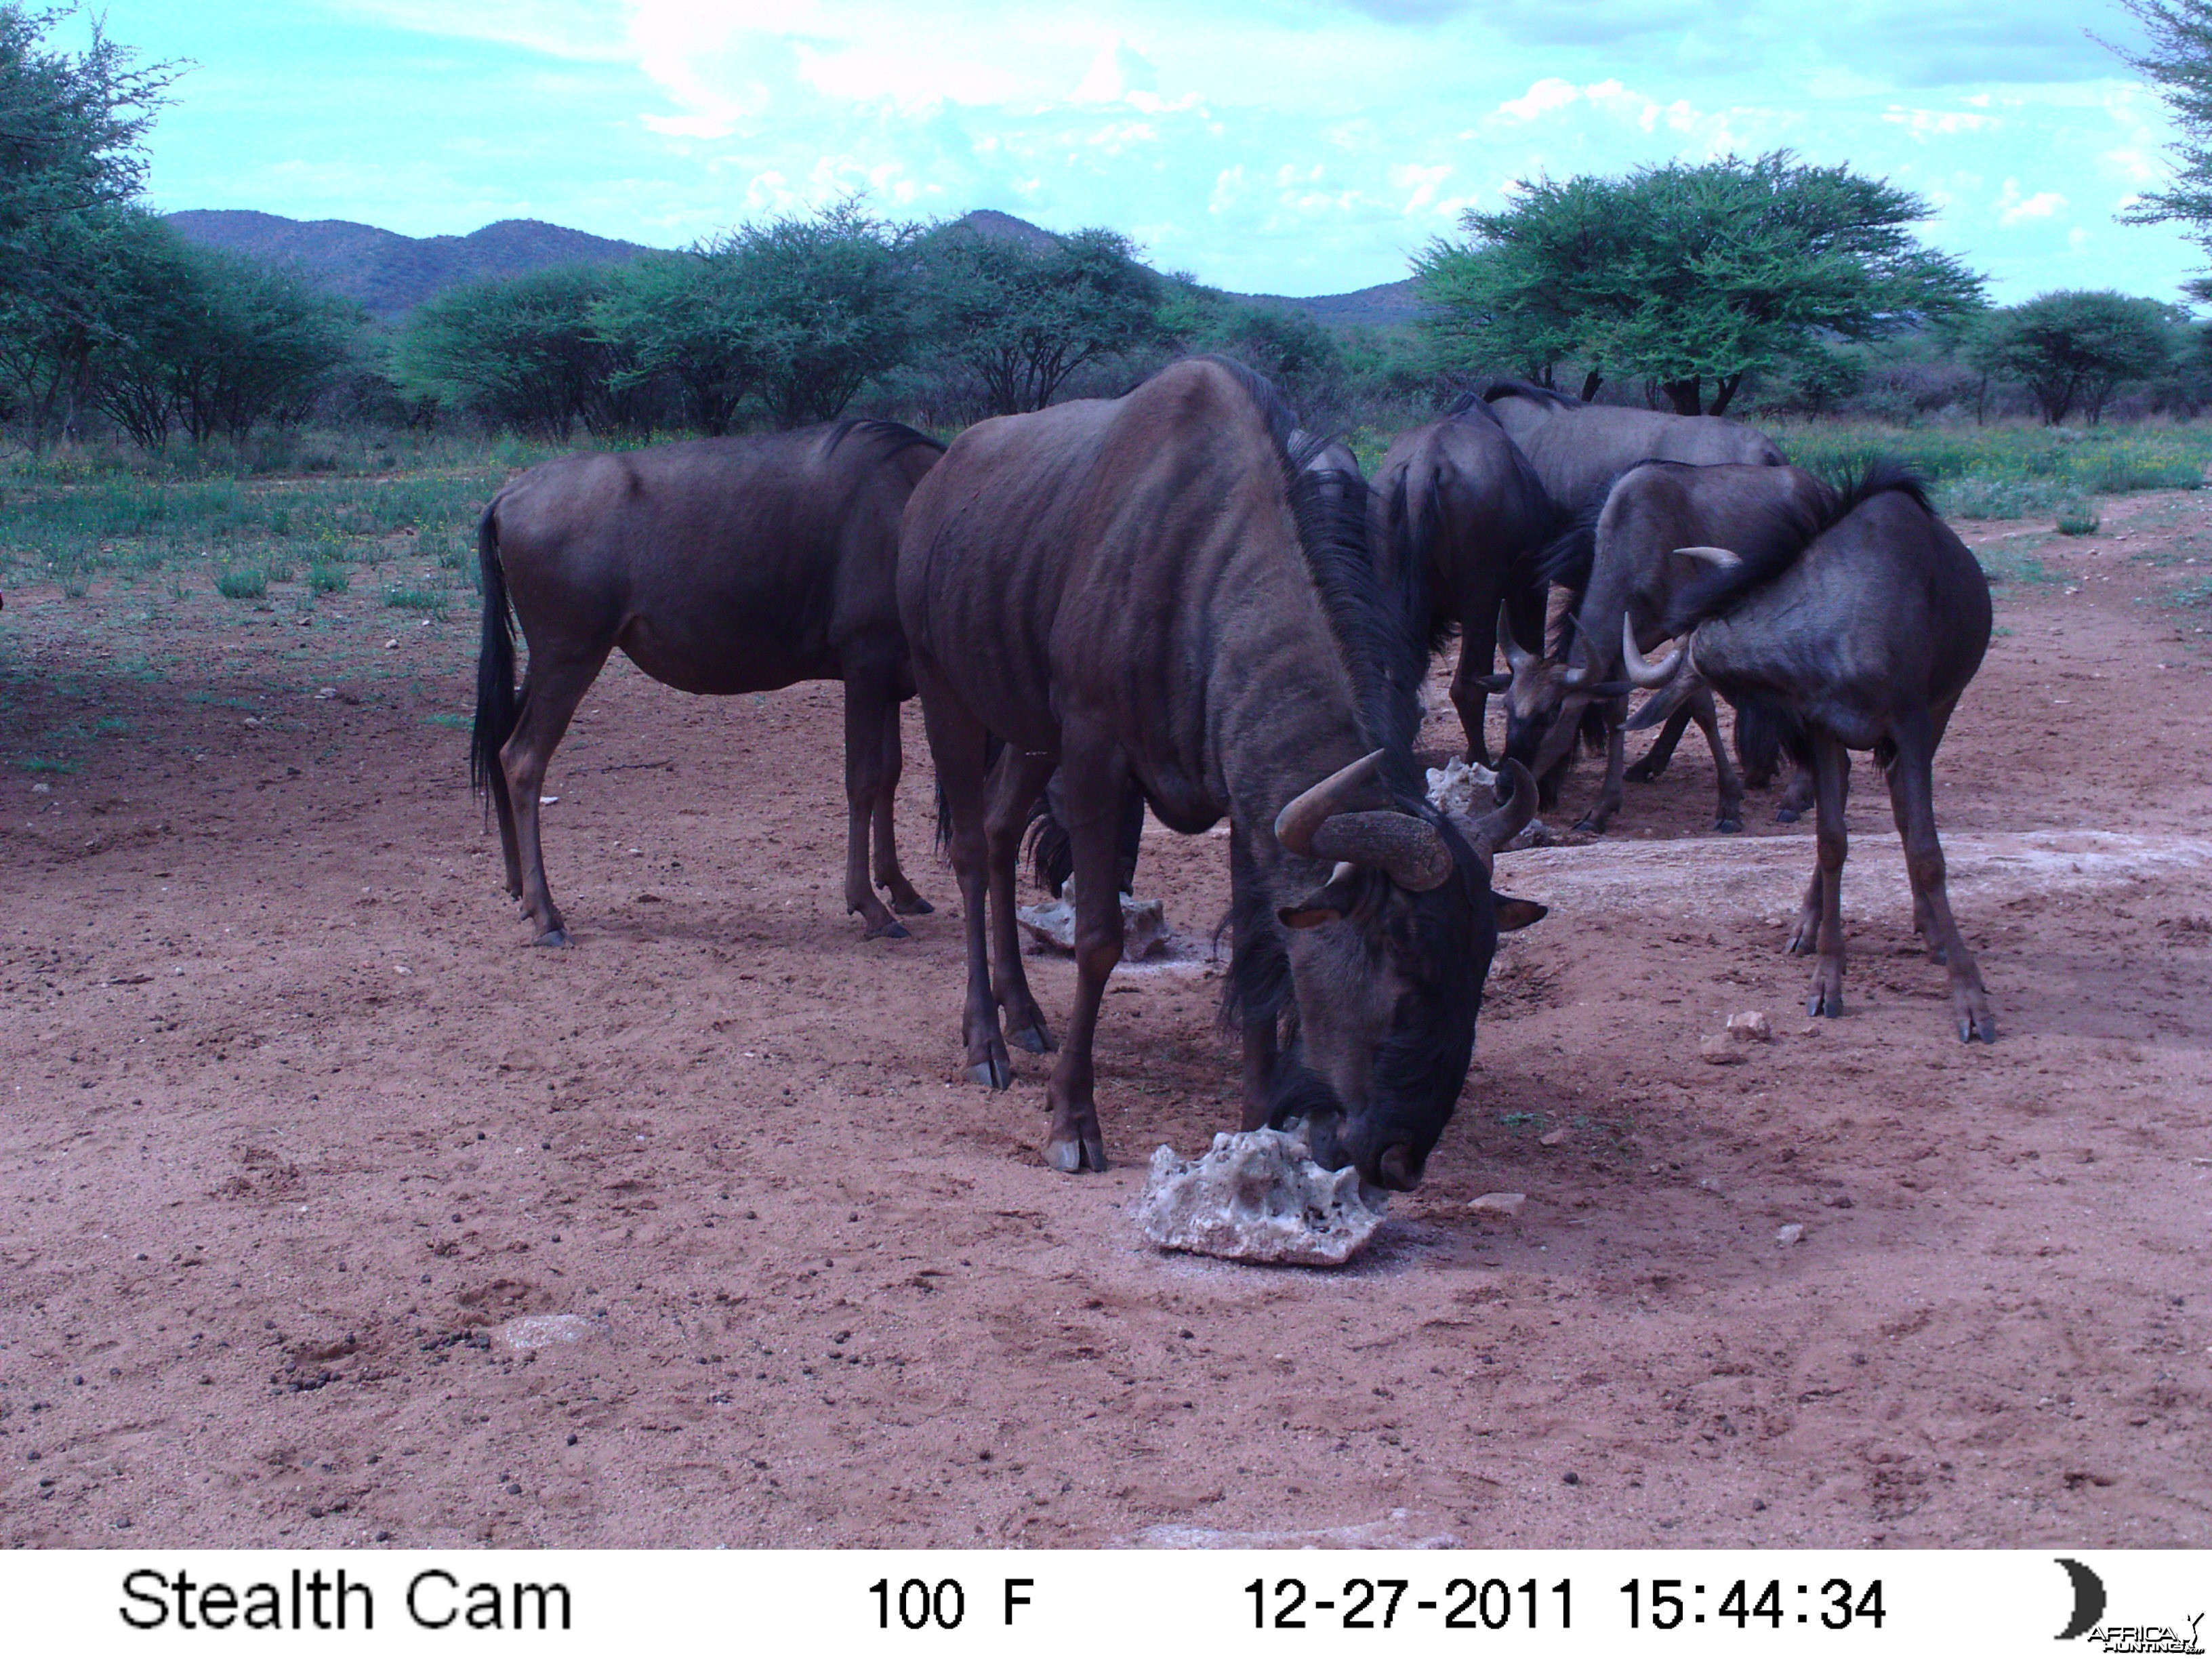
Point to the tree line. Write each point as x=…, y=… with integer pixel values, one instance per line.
x=1766, y=281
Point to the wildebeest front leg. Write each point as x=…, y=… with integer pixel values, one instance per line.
x=1608, y=794
x=956, y=746
x=1015, y=783
x=1912, y=797
x=1250, y=954
x=1728, y=819
x=905, y=901
x=1655, y=758
x=555, y=684
x=1831, y=773
x=867, y=700
x=1090, y=799
x=1477, y=648
x=1797, y=795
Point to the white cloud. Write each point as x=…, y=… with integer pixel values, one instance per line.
x=2014, y=206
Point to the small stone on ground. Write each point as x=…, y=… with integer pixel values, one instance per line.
x=1258, y=1196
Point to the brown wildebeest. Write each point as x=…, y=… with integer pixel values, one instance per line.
x=1457, y=502
x=1860, y=632
x=720, y=565
x=1640, y=565
x=1579, y=449
x=1150, y=589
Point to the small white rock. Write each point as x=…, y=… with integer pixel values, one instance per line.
x=42, y=789
x=545, y=1330
x=1258, y=1196
x=1792, y=1234
x=1719, y=1050
x=1453, y=788
x=1751, y=1026
x=548, y=800
x=1144, y=925
x=1506, y=1204
x=391, y=645
x=327, y=692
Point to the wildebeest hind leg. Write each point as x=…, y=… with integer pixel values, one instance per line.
x=554, y=686
x=1912, y=794
x=905, y=901
x=866, y=695
x=1092, y=782
x=1608, y=794
x=1015, y=783
x=956, y=746
x=1728, y=819
x=1655, y=758
x=1831, y=769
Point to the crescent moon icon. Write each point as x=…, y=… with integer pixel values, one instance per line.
x=2088, y=1599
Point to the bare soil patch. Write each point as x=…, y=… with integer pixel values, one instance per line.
x=331, y=1213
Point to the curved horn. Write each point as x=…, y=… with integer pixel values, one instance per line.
x=1487, y=834
x=1406, y=848
x=1648, y=675
x=1296, y=825
x=1713, y=555
x=1518, y=660
x=1580, y=671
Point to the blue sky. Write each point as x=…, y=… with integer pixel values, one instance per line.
x=1301, y=147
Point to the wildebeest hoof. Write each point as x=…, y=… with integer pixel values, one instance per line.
x=1641, y=772
x=992, y=1072
x=1588, y=826
x=1821, y=1003
x=1033, y=1038
x=1071, y=1157
x=888, y=928
x=1728, y=826
x=1785, y=815
x=552, y=938
x=913, y=904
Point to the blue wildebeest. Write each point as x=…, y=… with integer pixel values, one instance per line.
x=1458, y=506
x=1638, y=566
x=1859, y=633
x=721, y=566
x=1578, y=451
x=1149, y=589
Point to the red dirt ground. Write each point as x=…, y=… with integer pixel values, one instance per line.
x=294, y=1124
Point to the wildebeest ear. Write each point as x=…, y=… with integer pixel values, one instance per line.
x=1607, y=688
x=1327, y=903
x=1517, y=913
x=1495, y=682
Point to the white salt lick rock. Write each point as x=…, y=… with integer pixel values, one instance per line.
x=1258, y=1196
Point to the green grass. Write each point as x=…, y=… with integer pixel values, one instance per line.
x=327, y=579
x=2009, y=471
x=2003, y=565
x=456, y=722
x=2078, y=518
x=45, y=763
x=415, y=598
x=243, y=584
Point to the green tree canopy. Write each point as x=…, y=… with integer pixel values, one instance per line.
x=1023, y=319
x=72, y=127
x=525, y=353
x=2178, y=58
x=1684, y=274
x=2074, y=348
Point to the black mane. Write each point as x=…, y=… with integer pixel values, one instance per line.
x=1789, y=533
x=1376, y=626
x=1535, y=393
x=894, y=436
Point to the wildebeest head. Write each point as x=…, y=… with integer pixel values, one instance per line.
x=1388, y=958
x=1546, y=699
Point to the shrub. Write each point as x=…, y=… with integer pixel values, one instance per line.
x=242, y=582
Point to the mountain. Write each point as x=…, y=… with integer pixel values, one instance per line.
x=387, y=273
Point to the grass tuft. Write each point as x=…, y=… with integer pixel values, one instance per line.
x=242, y=582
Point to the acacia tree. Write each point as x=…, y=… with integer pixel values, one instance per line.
x=525, y=353
x=2178, y=58
x=1682, y=274
x=2075, y=348
x=1023, y=319
x=72, y=127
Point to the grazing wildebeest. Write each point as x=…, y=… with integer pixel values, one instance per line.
x=721, y=566
x=1638, y=566
x=1150, y=589
x=1859, y=633
x=1579, y=449
x=1457, y=503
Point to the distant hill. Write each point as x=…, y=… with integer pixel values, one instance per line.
x=388, y=273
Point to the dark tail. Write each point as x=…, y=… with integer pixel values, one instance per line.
x=1764, y=731
x=497, y=706
x=1052, y=851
